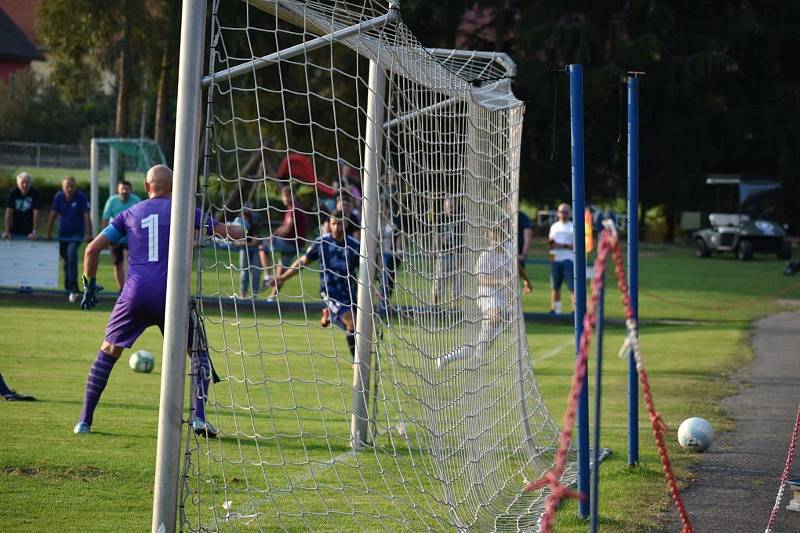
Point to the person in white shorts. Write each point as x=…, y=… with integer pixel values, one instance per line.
x=496, y=271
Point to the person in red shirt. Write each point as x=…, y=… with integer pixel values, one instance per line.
x=287, y=239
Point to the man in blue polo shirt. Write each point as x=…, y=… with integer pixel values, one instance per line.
x=116, y=204
x=72, y=207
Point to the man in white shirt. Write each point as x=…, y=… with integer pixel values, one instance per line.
x=562, y=256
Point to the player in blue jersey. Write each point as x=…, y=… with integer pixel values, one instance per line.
x=338, y=256
x=143, y=298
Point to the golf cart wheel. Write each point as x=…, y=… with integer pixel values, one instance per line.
x=785, y=251
x=701, y=248
x=744, y=251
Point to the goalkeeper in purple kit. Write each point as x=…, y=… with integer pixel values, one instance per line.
x=141, y=303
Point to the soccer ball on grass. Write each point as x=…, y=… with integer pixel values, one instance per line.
x=695, y=434
x=142, y=361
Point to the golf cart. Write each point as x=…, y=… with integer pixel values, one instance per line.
x=746, y=219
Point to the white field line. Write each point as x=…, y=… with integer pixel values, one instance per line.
x=552, y=352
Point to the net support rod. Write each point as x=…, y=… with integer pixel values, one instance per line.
x=94, y=187
x=402, y=119
x=373, y=146
x=176, y=319
x=598, y=397
x=579, y=246
x=296, y=50
x=633, y=261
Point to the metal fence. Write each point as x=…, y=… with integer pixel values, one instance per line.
x=38, y=155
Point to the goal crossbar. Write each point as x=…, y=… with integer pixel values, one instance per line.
x=298, y=49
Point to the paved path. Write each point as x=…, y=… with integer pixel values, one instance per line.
x=737, y=479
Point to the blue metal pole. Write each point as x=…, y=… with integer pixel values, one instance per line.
x=633, y=261
x=579, y=245
x=598, y=389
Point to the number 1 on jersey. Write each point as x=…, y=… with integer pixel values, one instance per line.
x=151, y=225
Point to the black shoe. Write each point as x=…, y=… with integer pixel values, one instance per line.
x=203, y=428
x=14, y=396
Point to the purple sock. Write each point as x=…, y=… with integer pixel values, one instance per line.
x=95, y=384
x=201, y=374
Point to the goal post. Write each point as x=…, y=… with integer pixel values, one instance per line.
x=384, y=379
x=176, y=320
x=143, y=152
x=369, y=242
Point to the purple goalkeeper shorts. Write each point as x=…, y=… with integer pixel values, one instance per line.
x=130, y=318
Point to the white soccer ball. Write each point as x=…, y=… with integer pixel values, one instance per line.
x=695, y=434
x=142, y=361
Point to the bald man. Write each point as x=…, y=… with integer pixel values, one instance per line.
x=71, y=207
x=143, y=298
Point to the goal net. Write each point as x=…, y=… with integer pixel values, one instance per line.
x=420, y=410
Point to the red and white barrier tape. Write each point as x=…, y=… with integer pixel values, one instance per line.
x=552, y=478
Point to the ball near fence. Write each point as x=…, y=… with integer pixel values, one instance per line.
x=142, y=361
x=695, y=434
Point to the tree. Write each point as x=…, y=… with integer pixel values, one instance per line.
x=129, y=39
x=32, y=109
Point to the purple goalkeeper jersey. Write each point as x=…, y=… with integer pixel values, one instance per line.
x=146, y=225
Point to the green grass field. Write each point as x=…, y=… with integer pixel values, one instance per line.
x=52, y=480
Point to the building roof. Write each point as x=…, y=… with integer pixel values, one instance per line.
x=25, y=14
x=13, y=43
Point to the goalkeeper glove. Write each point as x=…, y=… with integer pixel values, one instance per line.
x=90, y=291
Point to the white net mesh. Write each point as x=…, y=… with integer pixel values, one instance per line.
x=455, y=422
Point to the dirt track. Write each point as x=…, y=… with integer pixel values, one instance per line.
x=737, y=479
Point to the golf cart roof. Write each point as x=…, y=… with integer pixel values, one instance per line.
x=736, y=179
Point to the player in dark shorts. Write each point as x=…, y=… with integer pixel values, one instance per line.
x=338, y=254
x=141, y=303
x=118, y=253
x=524, y=239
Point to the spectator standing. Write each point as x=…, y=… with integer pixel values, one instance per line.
x=249, y=261
x=524, y=239
x=448, y=262
x=22, y=209
x=288, y=237
x=116, y=204
x=391, y=253
x=562, y=256
x=71, y=207
x=350, y=182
